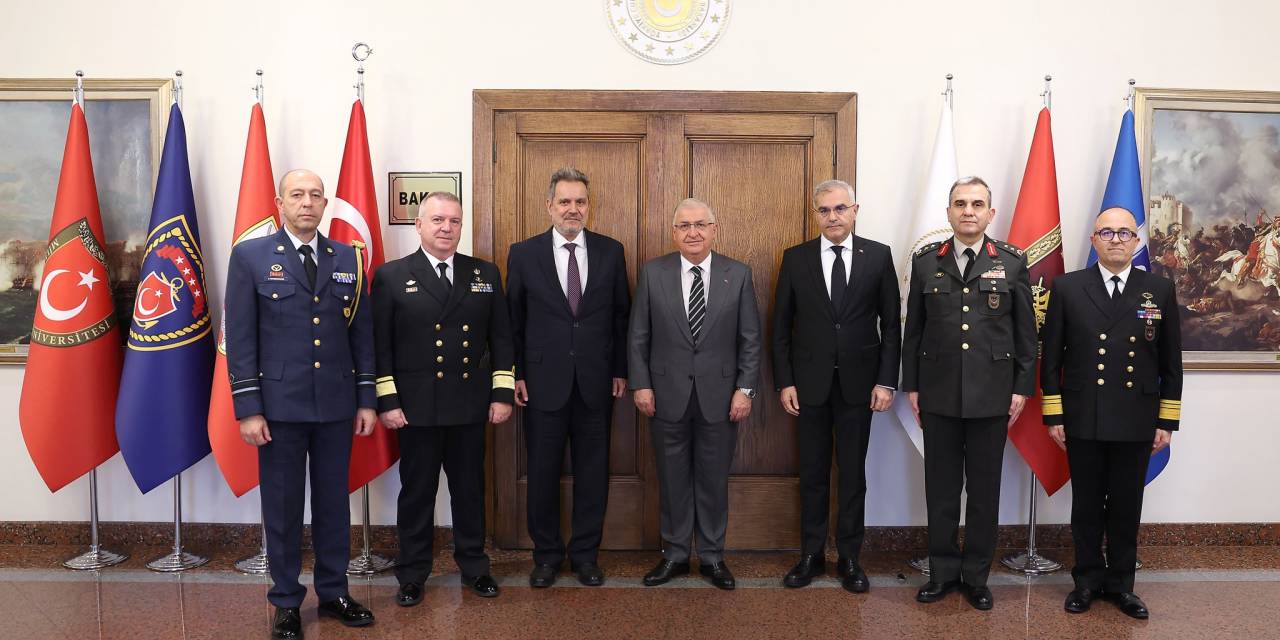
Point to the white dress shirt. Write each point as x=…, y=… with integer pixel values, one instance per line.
x=686, y=280
x=561, y=254
x=435, y=265
x=1106, y=277
x=829, y=259
x=297, y=244
x=961, y=259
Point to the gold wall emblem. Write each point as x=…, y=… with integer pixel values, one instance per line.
x=667, y=31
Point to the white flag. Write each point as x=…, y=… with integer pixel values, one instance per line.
x=930, y=225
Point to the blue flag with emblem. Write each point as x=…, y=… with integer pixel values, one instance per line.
x=1124, y=190
x=163, y=409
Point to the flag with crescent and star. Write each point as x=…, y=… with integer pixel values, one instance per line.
x=163, y=408
x=68, y=405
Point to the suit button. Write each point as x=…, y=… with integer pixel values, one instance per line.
x=465, y=375
x=1129, y=368
x=964, y=327
x=965, y=346
x=966, y=289
x=439, y=359
x=837, y=326
x=965, y=308
x=438, y=327
x=275, y=296
x=570, y=354
x=317, y=298
x=1101, y=366
x=1128, y=385
x=1102, y=336
x=465, y=344
x=1131, y=354
x=466, y=327
x=1102, y=352
x=1101, y=382
x=1133, y=339
x=317, y=365
x=439, y=343
x=316, y=342
x=466, y=361
x=315, y=320
x=439, y=375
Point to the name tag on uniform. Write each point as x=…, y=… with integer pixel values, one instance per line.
x=344, y=278
x=410, y=289
x=276, y=272
x=994, y=273
x=481, y=287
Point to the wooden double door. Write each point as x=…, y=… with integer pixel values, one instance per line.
x=755, y=158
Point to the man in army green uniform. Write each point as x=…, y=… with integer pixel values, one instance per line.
x=968, y=353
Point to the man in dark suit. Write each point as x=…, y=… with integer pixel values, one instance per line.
x=300, y=359
x=1112, y=380
x=444, y=361
x=836, y=341
x=694, y=359
x=968, y=352
x=569, y=299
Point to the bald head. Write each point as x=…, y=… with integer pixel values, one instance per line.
x=301, y=203
x=294, y=175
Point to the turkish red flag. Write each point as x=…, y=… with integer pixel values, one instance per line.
x=255, y=217
x=68, y=405
x=1036, y=227
x=355, y=220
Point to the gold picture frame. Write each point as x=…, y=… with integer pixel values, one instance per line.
x=127, y=120
x=1214, y=219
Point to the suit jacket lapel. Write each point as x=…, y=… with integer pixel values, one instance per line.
x=857, y=261
x=594, y=257
x=982, y=262
x=547, y=261
x=427, y=277
x=463, y=270
x=325, y=260
x=1128, y=297
x=813, y=258
x=291, y=259
x=947, y=263
x=670, y=280
x=721, y=281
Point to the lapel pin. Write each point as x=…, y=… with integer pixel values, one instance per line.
x=410, y=283
x=279, y=247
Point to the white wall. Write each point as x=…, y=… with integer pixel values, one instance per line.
x=429, y=56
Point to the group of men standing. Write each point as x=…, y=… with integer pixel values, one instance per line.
x=444, y=350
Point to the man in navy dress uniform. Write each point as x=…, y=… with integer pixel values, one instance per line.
x=300, y=358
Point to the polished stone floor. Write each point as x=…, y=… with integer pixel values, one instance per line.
x=1193, y=592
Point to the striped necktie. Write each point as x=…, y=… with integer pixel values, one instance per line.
x=697, y=304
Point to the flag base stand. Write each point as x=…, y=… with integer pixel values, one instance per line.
x=177, y=560
x=368, y=562
x=96, y=557
x=256, y=564
x=1030, y=563
x=920, y=564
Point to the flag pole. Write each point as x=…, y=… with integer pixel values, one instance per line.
x=368, y=562
x=257, y=564
x=177, y=560
x=96, y=557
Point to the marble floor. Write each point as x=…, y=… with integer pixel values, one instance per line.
x=1193, y=592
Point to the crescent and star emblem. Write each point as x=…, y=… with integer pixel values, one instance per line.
x=61, y=315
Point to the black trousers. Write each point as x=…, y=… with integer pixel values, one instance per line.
x=693, y=457
x=282, y=471
x=959, y=451
x=587, y=432
x=1107, y=482
x=459, y=449
x=849, y=425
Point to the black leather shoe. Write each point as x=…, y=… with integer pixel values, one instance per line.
x=852, y=577
x=590, y=574
x=410, y=593
x=1130, y=604
x=484, y=586
x=720, y=576
x=1079, y=600
x=543, y=575
x=287, y=624
x=935, y=591
x=980, y=598
x=664, y=572
x=811, y=565
x=347, y=611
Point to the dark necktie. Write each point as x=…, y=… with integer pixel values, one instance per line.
x=444, y=279
x=838, y=278
x=1115, y=288
x=697, y=304
x=968, y=266
x=308, y=263
x=574, y=278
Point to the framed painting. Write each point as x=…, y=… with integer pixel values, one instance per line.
x=126, y=134
x=1211, y=171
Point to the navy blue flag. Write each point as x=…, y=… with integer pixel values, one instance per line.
x=163, y=409
x=1124, y=190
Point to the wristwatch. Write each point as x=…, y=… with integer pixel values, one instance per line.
x=750, y=393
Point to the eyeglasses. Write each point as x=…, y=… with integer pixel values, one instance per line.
x=684, y=227
x=1124, y=235
x=840, y=209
